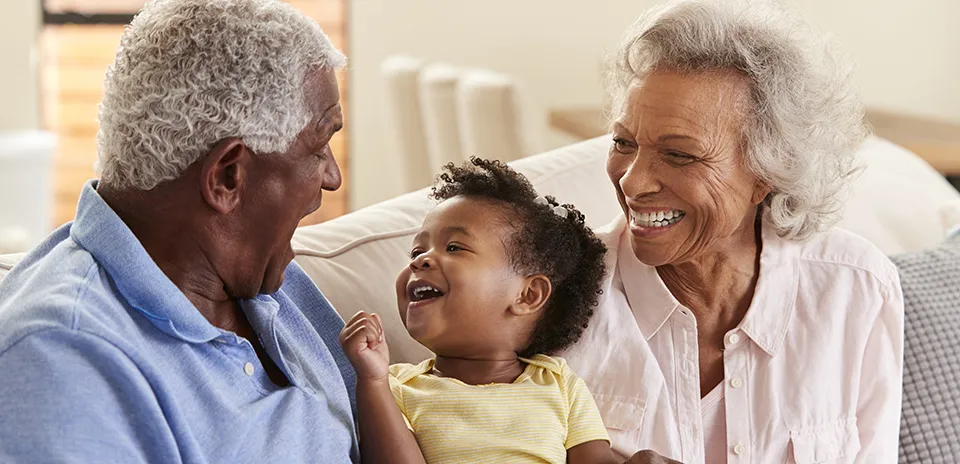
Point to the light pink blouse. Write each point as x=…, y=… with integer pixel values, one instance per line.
x=812, y=373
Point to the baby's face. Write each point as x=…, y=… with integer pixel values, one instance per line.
x=454, y=296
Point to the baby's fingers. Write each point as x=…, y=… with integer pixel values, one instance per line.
x=356, y=317
x=363, y=334
x=375, y=319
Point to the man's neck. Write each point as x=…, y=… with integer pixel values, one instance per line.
x=165, y=233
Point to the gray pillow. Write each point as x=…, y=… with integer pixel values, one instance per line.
x=930, y=425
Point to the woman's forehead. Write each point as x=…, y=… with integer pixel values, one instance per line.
x=684, y=102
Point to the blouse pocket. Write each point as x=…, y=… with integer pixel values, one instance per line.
x=837, y=442
x=623, y=418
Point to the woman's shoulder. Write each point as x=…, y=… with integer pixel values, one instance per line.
x=838, y=247
x=610, y=233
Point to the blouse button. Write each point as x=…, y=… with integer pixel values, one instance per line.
x=739, y=449
x=248, y=369
x=733, y=338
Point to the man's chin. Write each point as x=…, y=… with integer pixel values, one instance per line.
x=271, y=284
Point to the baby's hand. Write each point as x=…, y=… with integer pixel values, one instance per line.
x=366, y=347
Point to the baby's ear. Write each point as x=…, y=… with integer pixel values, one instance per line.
x=536, y=291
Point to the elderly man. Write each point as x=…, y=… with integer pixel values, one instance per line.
x=167, y=323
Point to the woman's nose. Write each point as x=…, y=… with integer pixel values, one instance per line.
x=640, y=177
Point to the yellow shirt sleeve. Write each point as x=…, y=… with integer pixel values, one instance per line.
x=397, y=389
x=584, y=423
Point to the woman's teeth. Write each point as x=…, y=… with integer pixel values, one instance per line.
x=658, y=219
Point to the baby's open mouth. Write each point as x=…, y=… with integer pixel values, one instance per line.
x=423, y=292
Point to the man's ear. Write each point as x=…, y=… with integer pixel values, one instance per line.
x=223, y=173
x=534, y=295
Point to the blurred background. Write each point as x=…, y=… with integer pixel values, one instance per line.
x=435, y=80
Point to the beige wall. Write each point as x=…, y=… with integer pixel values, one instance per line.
x=908, y=53
x=19, y=55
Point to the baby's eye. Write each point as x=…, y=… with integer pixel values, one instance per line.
x=416, y=252
x=453, y=247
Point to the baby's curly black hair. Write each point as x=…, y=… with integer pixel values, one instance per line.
x=561, y=247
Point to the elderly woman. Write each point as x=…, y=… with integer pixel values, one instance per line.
x=167, y=323
x=736, y=324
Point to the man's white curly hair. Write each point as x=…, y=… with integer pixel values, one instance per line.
x=190, y=73
x=806, y=118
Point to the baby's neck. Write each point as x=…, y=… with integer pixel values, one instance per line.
x=473, y=371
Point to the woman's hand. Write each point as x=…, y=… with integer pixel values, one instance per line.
x=649, y=457
x=365, y=345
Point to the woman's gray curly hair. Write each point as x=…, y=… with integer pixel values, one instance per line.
x=190, y=73
x=806, y=119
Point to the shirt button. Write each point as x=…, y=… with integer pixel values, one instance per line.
x=248, y=369
x=733, y=339
x=739, y=449
x=736, y=382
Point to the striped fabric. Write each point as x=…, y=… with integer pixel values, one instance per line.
x=546, y=411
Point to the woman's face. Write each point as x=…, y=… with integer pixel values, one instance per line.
x=677, y=165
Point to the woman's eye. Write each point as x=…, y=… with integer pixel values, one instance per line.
x=622, y=146
x=680, y=156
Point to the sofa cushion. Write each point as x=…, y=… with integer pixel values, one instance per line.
x=930, y=421
x=950, y=218
x=896, y=202
x=7, y=262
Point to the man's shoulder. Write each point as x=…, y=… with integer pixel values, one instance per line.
x=309, y=299
x=59, y=290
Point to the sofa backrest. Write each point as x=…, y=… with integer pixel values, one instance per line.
x=355, y=259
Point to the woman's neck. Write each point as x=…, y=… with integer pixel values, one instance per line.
x=718, y=287
x=474, y=371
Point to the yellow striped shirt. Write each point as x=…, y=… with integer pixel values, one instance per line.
x=535, y=419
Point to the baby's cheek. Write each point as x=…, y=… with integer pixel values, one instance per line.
x=401, y=287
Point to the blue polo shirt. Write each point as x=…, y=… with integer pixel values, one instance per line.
x=103, y=359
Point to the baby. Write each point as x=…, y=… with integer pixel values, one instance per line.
x=498, y=280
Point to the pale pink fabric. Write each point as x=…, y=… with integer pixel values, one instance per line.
x=714, y=426
x=812, y=373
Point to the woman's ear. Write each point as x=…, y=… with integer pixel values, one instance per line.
x=760, y=191
x=534, y=295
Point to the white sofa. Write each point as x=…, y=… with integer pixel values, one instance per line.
x=896, y=203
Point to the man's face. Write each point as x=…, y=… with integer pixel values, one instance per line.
x=283, y=188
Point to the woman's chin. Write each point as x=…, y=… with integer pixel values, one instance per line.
x=650, y=254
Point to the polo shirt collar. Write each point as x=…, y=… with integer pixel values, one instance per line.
x=99, y=230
